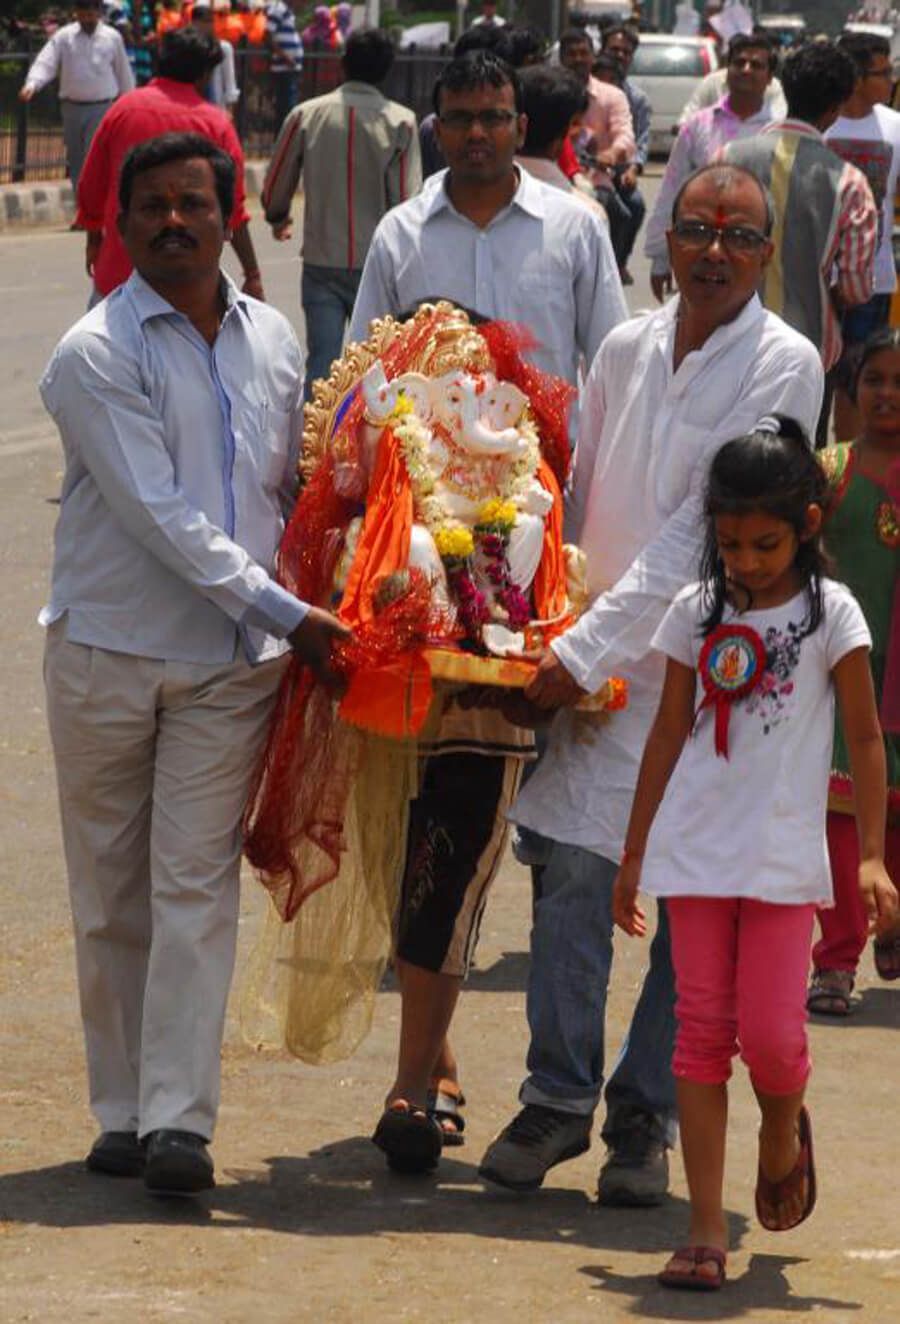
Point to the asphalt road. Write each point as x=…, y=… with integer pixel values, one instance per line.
x=306, y=1223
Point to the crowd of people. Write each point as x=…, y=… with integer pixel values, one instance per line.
x=728, y=566
x=266, y=31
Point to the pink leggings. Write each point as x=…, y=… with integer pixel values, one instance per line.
x=740, y=975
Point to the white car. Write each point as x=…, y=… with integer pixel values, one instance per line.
x=668, y=68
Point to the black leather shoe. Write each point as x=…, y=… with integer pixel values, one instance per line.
x=178, y=1163
x=116, y=1154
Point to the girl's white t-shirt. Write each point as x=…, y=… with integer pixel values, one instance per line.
x=753, y=825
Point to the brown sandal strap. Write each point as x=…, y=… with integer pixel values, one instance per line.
x=450, y=1088
x=700, y=1255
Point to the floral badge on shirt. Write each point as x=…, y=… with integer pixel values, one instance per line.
x=771, y=697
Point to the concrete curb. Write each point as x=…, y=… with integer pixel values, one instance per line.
x=52, y=203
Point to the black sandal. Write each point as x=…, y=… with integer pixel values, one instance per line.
x=829, y=993
x=409, y=1138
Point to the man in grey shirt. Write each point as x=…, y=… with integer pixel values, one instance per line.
x=492, y=238
x=359, y=155
x=178, y=405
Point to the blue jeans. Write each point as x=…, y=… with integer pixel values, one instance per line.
x=571, y=957
x=626, y=216
x=328, y=295
x=285, y=86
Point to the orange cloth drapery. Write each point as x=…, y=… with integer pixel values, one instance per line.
x=392, y=699
x=383, y=545
x=549, y=588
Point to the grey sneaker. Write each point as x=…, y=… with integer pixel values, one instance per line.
x=636, y=1171
x=536, y=1139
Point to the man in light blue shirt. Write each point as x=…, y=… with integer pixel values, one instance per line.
x=494, y=239
x=177, y=401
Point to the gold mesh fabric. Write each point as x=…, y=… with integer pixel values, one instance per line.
x=310, y=984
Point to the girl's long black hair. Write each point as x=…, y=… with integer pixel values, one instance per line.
x=777, y=474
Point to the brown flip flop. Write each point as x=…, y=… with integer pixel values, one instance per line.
x=887, y=957
x=775, y=1192
x=692, y=1280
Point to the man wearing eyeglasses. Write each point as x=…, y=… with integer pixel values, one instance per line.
x=742, y=112
x=492, y=238
x=667, y=389
x=867, y=134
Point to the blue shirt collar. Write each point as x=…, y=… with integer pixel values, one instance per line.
x=148, y=303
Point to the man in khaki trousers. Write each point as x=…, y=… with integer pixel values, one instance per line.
x=177, y=401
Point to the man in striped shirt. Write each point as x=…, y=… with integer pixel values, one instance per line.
x=359, y=156
x=287, y=56
x=826, y=222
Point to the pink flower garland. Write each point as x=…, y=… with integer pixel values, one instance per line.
x=474, y=609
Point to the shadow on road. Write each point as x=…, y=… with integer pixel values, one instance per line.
x=345, y=1190
x=508, y=974
x=764, y=1287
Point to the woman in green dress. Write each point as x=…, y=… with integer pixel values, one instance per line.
x=863, y=535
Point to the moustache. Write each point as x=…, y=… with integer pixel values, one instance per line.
x=181, y=235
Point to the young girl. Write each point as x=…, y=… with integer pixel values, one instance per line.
x=729, y=824
x=863, y=534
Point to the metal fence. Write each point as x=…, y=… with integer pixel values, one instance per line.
x=31, y=142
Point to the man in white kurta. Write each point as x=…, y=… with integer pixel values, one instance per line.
x=665, y=391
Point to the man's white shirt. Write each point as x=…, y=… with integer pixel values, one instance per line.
x=544, y=261
x=646, y=439
x=90, y=66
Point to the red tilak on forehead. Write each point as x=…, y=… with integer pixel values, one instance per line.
x=720, y=216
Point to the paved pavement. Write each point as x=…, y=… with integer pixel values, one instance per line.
x=306, y=1223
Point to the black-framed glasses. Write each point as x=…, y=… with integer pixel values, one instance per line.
x=748, y=62
x=739, y=239
x=490, y=120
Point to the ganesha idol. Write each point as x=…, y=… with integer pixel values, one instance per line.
x=480, y=507
x=430, y=522
x=440, y=453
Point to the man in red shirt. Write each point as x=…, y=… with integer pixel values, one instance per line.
x=170, y=103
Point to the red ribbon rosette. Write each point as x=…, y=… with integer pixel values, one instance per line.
x=731, y=665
